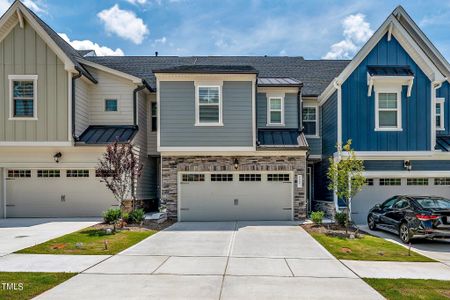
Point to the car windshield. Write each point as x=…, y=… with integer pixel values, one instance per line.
x=434, y=203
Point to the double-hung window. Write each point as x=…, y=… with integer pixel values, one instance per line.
x=209, y=106
x=23, y=95
x=388, y=115
x=310, y=121
x=440, y=114
x=275, y=111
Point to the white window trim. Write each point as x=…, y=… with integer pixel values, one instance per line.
x=388, y=89
x=316, y=135
x=269, y=110
x=197, y=105
x=441, y=102
x=108, y=111
x=13, y=78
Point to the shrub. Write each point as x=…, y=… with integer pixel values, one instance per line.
x=341, y=218
x=125, y=217
x=136, y=216
x=112, y=215
x=317, y=217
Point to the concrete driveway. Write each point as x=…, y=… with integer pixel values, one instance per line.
x=223, y=260
x=435, y=249
x=16, y=234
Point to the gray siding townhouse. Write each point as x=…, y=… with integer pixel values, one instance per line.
x=220, y=137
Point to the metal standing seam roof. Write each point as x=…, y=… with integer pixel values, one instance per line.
x=443, y=143
x=390, y=71
x=278, y=81
x=279, y=138
x=103, y=134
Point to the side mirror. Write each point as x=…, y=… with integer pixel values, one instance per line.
x=377, y=206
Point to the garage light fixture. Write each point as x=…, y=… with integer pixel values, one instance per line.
x=57, y=157
x=236, y=164
x=407, y=165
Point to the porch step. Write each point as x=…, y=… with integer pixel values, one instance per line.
x=155, y=217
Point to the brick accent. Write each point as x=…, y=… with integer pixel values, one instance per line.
x=171, y=165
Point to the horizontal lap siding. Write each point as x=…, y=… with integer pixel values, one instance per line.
x=290, y=111
x=398, y=165
x=358, y=110
x=82, y=91
x=177, y=104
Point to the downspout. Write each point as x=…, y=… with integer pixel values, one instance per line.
x=74, y=78
x=256, y=114
x=300, y=109
x=136, y=90
x=338, y=87
x=435, y=85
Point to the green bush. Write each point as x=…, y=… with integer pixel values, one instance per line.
x=136, y=216
x=317, y=217
x=112, y=215
x=341, y=218
x=125, y=217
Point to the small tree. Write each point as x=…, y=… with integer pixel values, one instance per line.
x=119, y=168
x=346, y=176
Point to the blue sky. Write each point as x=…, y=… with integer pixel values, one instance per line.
x=313, y=29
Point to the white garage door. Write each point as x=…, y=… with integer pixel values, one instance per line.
x=235, y=196
x=380, y=189
x=55, y=193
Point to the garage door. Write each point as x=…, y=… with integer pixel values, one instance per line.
x=55, y=193
x=235, y=196
x=380, y=189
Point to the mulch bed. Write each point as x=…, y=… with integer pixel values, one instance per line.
x=136, y=227
x=334, y=230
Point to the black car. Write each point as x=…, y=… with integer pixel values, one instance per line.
x=412, y=217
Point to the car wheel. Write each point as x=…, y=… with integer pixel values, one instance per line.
x=371, y=222
x=404, y=233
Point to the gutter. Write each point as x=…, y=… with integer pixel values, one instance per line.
x=136, y=90
x=74, y=78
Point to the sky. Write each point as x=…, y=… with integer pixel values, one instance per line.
x=312, y=29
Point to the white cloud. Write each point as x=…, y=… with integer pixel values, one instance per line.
x=162, y=40
x=124, y=23
x=356, y=32
x=89, y=45
x=136, y=2
x=35, y=5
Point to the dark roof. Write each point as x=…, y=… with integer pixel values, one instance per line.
x=279, y=138
x=278, y=81
x=83, y=53
x=443, y=143
x=390, y=71
x=103, y=134
x=211, y=69
x=315, y=75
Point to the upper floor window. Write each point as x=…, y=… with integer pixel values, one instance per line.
x=111, y=105
x=23, y=95
x=154, y=116
x=440, y=114
x=388, y=113
x=275, y=111
x=310, y=120
x=209, y=106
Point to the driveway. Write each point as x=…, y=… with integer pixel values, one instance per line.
x=16, y=234
x=436, y=249
x=221, y=260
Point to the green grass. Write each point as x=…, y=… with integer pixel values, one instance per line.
x=421, y=289
x=93, y=242
x=366, y=248
x=33, y=284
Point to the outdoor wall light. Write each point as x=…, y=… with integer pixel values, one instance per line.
x=57, y=157
x=407, y=165
x=236, y=163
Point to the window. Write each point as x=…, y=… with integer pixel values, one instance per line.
x=440, y=114
x=417, y=181
x=110, y=105
x=442, y=181
x=193, y=177
x=154, y=116
x=310, y=121
x=388, y=111
x=221, y=177
x=388, y=203
x=275, y=111
x=48, y=173
x=401, y=204
x=77, y=173
x=369, y=181
x=19, y=173
x=278, y=177
x=249, y=177
x=390, y=181
x=209, y=106
x=23, y=93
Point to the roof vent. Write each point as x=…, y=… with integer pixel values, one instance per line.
x=156, y=53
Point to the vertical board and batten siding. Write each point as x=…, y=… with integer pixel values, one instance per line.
x=82, y=96
x=23, y=52
x=444, y=92
x=358, y=110
x=315, y=143
x=177, y=112
x=290, y=111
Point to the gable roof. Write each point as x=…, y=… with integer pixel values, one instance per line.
x=212, y=69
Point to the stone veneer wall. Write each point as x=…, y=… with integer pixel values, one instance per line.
x=326, y=206
x=171, y=165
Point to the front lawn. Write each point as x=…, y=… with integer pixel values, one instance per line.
x=20, y=286
x=91, y=241
x=366, y=247
x=421, y=289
